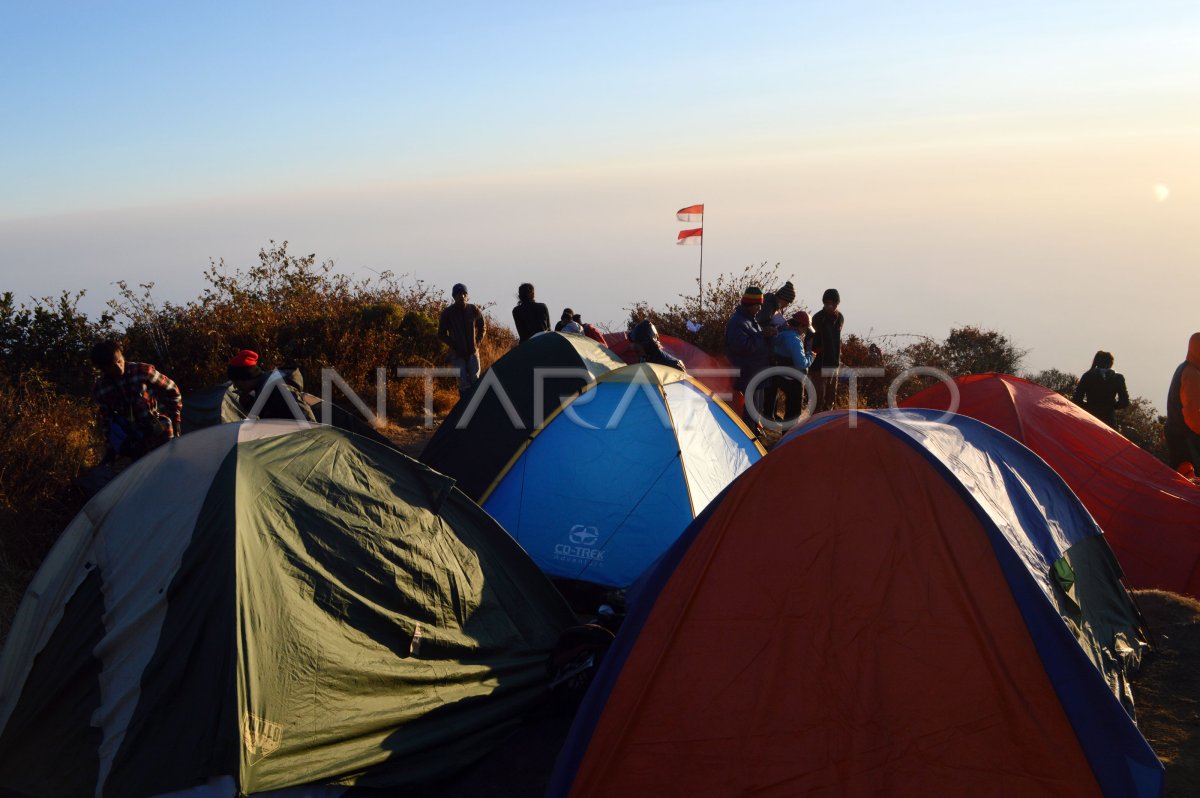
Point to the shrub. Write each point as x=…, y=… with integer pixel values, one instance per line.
x=51, y=338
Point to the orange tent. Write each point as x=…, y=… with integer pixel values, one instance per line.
x=881, y=605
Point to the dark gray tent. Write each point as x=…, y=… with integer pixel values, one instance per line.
x=521, y=390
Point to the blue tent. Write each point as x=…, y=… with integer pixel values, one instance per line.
x=612, y=478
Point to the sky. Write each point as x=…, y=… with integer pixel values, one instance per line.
x=1028, y=167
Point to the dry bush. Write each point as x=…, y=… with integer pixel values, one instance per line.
x=47, y=438
x=296, y=311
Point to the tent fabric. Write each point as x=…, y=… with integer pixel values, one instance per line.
x=922, y=628
x=1149, y=513
x=219, y=405
x=610, y=481
x=516, y=395
x=707, y=369
x=276, y=602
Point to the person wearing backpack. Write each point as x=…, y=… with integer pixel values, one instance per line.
x=1101, y=391
x=263, y=393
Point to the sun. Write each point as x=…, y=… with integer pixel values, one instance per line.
x=1161, y=192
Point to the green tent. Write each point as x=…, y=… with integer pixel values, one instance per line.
x=271, y=604
x=515, y=396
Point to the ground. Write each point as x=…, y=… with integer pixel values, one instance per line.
x=1166, y=690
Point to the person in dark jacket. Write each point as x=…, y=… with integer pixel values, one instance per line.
x=461, y=328
x=267, y=393
x=140, y=407
x=826, y=346
x=645, y=341
x=748, y=347
x=773, y=314
x=530, y=317
x=775, y=303
x=1183, y=412
x=1101, y=391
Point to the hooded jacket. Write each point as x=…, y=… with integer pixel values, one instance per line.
x=1183, y=410
x=1183, y=398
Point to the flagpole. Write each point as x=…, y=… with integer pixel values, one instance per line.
x=702, y=264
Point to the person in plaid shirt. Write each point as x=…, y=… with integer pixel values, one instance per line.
x=140, y=407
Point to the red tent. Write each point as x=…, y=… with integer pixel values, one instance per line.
x=1149, y=513
x=914, y=636
x=699, y=363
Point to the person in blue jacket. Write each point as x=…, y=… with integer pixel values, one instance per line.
x=790, y=351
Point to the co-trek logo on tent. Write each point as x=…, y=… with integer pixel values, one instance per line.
x=581, y=549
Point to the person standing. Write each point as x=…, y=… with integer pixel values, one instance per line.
x=462, y=328
x=748, y=347
x=790, y=351
x=140, y=407
x=1183, y=412
x=531, y=317
x=1101, y=391
x=773, y=314
x=826, y=345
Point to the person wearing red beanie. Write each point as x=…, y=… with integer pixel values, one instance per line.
x=267, y=394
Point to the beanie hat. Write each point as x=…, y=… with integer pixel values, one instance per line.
x=244, y=365
x=787, y=293
x=752, y=296
x=831, y=295
x=458, y=289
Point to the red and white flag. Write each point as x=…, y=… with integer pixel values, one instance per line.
x=692, y=213
x=691, y=236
